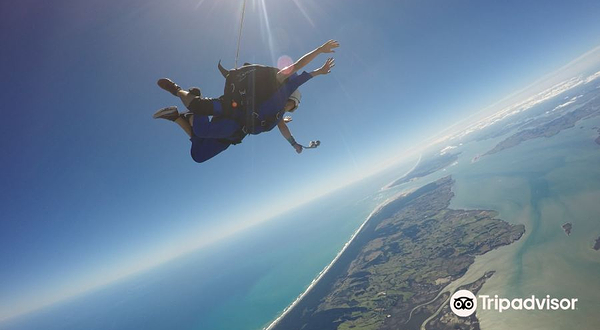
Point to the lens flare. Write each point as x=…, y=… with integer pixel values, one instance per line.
x=284, y=61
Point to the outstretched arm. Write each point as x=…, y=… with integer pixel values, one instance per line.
x=285, y=131
x=307, y=58
x=325, y=69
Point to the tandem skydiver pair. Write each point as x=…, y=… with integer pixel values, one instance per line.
x=254, y=101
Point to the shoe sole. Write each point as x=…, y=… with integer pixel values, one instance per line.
x=168, y=85
x=164, y=113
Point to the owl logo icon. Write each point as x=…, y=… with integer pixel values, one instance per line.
x=463, y=303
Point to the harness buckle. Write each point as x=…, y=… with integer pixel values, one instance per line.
x=255, y=114
x=244, y=130
x=263, y=123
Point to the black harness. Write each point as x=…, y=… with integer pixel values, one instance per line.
x=245, y=89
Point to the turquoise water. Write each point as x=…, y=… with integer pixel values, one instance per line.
x=242, y=283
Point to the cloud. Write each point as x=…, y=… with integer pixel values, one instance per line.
x=528, y=103
x=446, y=149
x=592, y=77
x=548, y=86
x=571, y=101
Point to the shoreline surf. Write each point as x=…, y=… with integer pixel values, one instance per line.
x=321, y=274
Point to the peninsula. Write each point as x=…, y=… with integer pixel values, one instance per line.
x=426, y=167
x=568, y=120
x=391, y=275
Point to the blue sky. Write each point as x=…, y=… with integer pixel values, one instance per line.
x=93, y=188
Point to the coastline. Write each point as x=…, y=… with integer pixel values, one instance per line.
x=345, y=291
x=325, y=270
x=392, y=184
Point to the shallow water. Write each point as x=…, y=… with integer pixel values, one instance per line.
x=543, y=184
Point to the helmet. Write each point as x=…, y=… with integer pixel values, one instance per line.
x=295, y=97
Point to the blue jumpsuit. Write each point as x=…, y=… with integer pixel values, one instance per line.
x=211, y=135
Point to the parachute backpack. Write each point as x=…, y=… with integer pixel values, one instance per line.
x=245, y=89
x=242, y=94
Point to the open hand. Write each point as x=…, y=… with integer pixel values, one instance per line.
x=329, y=46
x=326, y=68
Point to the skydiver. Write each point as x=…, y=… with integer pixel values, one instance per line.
x=236, y=115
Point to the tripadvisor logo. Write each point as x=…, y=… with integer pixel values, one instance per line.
x=463, y=303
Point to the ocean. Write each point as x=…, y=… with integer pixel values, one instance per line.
x=243, y=282
x=246, y=281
